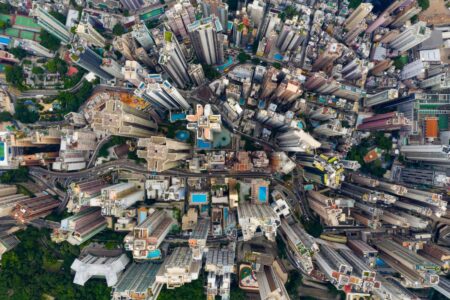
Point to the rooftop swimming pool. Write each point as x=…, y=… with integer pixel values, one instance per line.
x=262, y=194
x=199, y=198
x=228, y=63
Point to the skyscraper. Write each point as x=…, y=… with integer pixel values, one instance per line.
x=217, y=8
x=51, y=24
x=358, y=15
x=134, y=72
x=117, y=118
x=385, y=122
x=162, y=95
x=411, y=37
x=297, y=141
x=142, y=35
x=180, y=16
x=331, y=53
x=291, y=36
x=432, y=154
x=86, y=58
x=162, y=153
x=207, y=39
x=87, y=32
x=172, y=60
x=256, y=12
x=196, y=73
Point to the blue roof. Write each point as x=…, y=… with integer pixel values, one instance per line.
x=4, y=40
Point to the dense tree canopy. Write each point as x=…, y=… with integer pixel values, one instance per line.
x=19, y=53
x=24, y=114
x=14, y=76
x=118, y=29
x=49, y=41
x=38, y=267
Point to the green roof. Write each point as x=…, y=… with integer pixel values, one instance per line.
x=168, y=36
x=443, y=122
x=12, y=32
x=5, y=18
x=27, y=22
x=28, y=35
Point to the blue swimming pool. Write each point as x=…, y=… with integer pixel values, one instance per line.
x=262, y=194
x=278, y=56
x=4, y=40
x=177, y=117
x=199, y=198
x=202, y=144
x=155, y=254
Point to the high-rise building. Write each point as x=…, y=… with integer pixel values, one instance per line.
x=331, y=53
x=80, y=227
x=270, y=22
x=252, y=217
x=162, y=153
x=411, y=37
x=292, y=35
x=217, y=8
x=297, y=141
x=381, y=66
x=138, y=283
x=172, y=60
x=417, y=272
x=432, y=154
x=406, y=13
x=321, y=169
x=179, y=268
x=207, y=40
x=51, y=24
x=117, y=118
x=196, y=73
x=142, y=34
x=146, y=237
x=88, y=33
x=358, y=15
x=414, y=69
x=34, y=208
x=270, y=285
x=381, y=97
x=354, y=33
x=219, y=265
x=126, y=45
x=385, y=122
x=162, y=95
x=256, y=12
x=132, y=5
x=134, y=72
x=89, y=60
x=331, y=128
x=117, y=198
x=180, y=16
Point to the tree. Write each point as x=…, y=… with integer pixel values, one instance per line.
x=11, y=176
x=56, y=65
x=19, y=53
x=290, y=12
x=49, y=41
x=5, y=8
x=424, y=4
x=14, y=76
x=37, y=70
x=24, y=114
x=243, y=57
x=276, y=65
x=59, y=16
x=118, y=29
x=210, y=72
x=5, y=116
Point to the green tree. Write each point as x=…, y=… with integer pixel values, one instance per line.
x=243, y=57
x=49, y=41
x=24, y=114
x=19, y=53
x=56, y=65
x=424, y=4
x=59, y=16
x=11, y=176
x=295, y=279
x=118, y=29
x=14, y=76
x=290, y=12
x=277, y=65
x=5, y=116
x=5, y=8
x=37, y=70
x=354, y=4
x=210, y=72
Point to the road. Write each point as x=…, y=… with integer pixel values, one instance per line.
x=47, y=93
